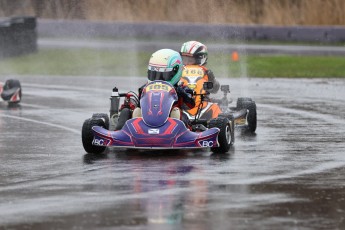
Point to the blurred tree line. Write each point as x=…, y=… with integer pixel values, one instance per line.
x=270, y=12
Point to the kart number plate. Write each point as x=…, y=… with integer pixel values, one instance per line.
x=158, y=86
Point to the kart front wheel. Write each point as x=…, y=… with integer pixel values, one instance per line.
x=102, y=116
x=226, y=135
x=87, y=135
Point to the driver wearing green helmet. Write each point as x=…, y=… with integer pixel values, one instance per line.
x=166, y=65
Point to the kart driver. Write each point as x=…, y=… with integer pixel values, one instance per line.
x=166, y=65
x=195, y=54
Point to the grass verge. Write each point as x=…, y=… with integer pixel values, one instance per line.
x=90, y=62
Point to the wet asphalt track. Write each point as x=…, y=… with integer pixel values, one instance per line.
x=290, y=175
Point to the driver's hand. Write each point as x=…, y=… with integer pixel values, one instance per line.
x=210, y=75
x=189, y=91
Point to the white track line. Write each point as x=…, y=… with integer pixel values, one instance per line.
x=42, y=123
x=34, y=106
x=303, y=113
x=62, y=87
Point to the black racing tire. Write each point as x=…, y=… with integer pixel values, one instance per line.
x=87, y=135
x=226, y=135
x=241, y=101
x=124, y=116
x=251, y=116
x=10, y=86
x=102, y=116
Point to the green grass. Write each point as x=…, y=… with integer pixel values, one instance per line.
x=84, y=62
x=297, y=66
x=90, y=62
x=279, y=66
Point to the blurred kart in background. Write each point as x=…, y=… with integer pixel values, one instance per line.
x=11, y=91
x=207, y=108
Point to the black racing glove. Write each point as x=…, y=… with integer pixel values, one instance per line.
x=186, y=96
x=212, y=79
x=189, y=91
x=210, y=75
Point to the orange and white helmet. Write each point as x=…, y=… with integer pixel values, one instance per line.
x=194, y=53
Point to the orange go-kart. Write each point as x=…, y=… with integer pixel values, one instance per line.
x=207, y=109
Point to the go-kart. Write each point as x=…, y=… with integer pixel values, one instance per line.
x=11, y=91
x=244, y=114
x=206, y=108
x=155, y=129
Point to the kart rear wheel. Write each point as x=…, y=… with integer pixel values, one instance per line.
x=226, y=136
x=87, y=135
x=102, y=116
x=125, y=115
x=241, y=101
x=251, y=116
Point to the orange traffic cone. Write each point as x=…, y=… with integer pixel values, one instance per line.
x=234, y=56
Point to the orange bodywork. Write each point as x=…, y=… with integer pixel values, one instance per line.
x=194, y=76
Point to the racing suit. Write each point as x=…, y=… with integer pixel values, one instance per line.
x=201, y=71
x=194, y=76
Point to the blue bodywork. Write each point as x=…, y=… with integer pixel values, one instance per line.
x=155, y=129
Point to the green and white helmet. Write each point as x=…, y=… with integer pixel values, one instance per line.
x=165, y=65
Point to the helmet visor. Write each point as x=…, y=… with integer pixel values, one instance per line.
x=188, y=60
x=164, y=76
